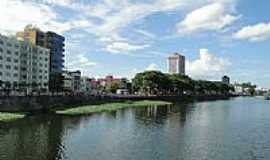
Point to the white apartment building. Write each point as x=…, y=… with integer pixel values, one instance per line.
x=176, y=64
x=85, y=85
x=72, y=81
x=23, y=65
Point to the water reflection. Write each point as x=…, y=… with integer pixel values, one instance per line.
x=235, y=129
x=33, y=138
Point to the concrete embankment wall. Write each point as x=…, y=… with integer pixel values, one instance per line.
x=44, y=103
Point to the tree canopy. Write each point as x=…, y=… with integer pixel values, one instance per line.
x=157, y=83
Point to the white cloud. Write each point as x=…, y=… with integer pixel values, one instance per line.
x=207, y=66
x=145, y=33
x=258, y=32
x=112, y=16
x=81, y=62
x=213, y=16
x=16, y=14
x=152, y=67
x=105, y=19
x=124, y=47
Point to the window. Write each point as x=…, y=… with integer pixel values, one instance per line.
x=23, y=69
x=1, y=66
x=9, y=44
x=16, y=53
x=24, y=62
x=8, y=67
x=15, y=67
x=1, y=57
x=8, y=52
x=1, y=49
x=16, y=60
x=1, y=73
x=15, y=75
x=8, y=59
x=1, y=42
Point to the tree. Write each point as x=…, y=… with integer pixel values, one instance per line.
x=113, y=86
x=150, y=82
x=154, y=82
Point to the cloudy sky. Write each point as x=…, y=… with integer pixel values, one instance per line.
x=122, y=37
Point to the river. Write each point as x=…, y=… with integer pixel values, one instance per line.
x=236, y=129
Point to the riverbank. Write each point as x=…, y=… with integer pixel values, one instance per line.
x=46, y=103
x=7, y=117
x=107, y=107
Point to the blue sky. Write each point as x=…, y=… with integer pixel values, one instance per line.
x=123, y=37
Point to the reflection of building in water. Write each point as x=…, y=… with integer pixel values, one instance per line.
x=153, y=111
x=34, y=139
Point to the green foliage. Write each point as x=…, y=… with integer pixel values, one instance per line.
x=155, y=83
x=113, y=87
x=5, y=117
x=110, y=107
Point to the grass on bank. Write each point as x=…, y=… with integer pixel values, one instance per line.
x=6, y=117
x=107, y=107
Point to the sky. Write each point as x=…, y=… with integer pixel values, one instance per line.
x=124, y=37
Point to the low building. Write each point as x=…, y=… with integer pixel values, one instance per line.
x=238, y=89
x=72, y=81
x=86, y=86
x=67, y=82
x=111, y=84
x=122, y=91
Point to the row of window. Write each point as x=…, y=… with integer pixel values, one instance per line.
x=9, y=44
x=23, y=55
x=9, y=59
x=9, y=51
x=15, y=75
x=22, y=68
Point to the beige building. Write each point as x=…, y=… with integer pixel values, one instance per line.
x=23, y=64
x=176, y=64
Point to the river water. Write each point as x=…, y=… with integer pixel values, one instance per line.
x=236, y=129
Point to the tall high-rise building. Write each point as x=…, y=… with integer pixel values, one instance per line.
x=226, y=79
x=23, y=64
x=176, y=64
x=55, y=43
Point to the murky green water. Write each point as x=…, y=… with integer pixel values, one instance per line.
x=237, y=129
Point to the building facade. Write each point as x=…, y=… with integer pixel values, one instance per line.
x=86, y=85
x=72, y=81
x=226, y=80
x=55, y=43
x=176, y=64
x=50, y=40
x=23, y=65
